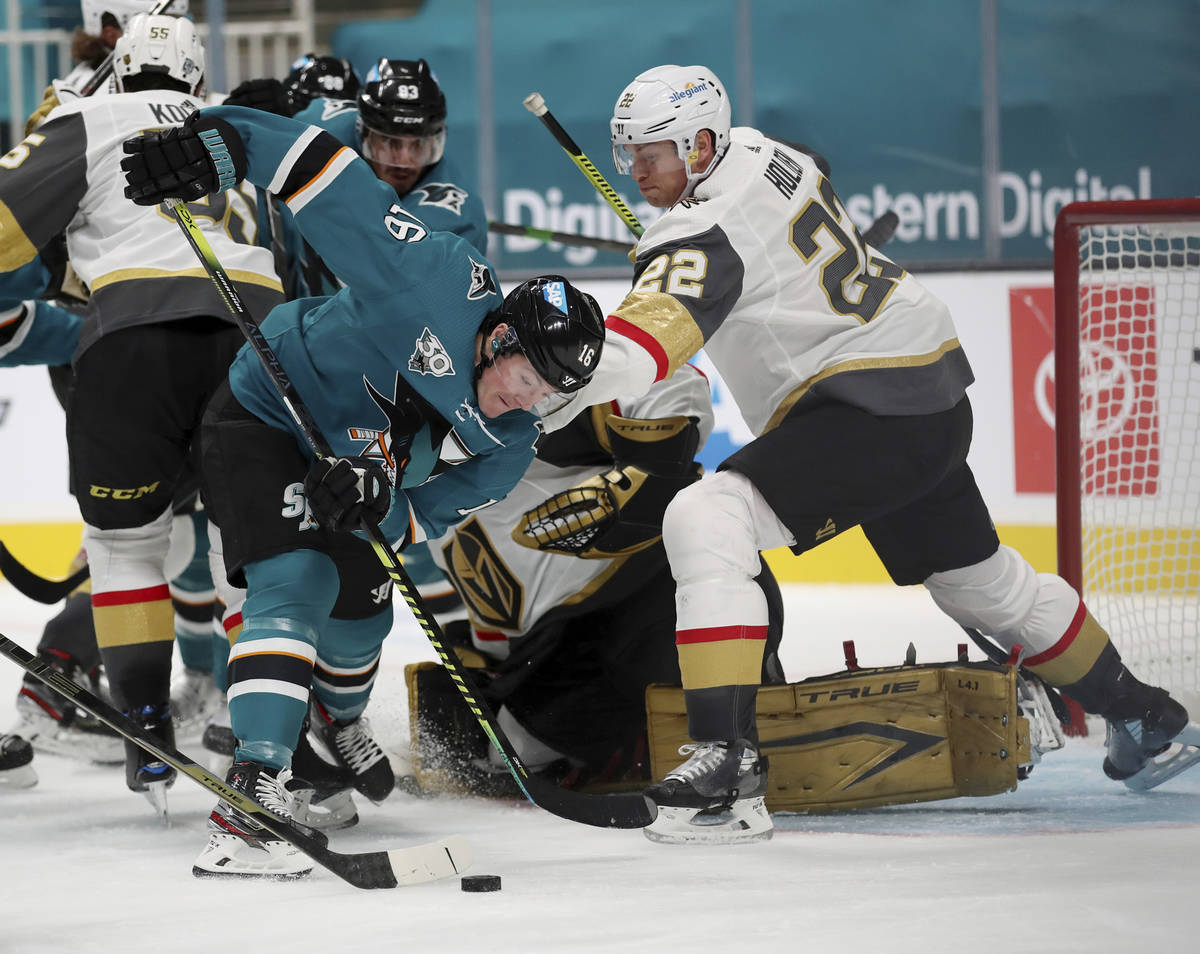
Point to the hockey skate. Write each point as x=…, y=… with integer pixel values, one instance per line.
x=1134, y=745
x=16, y=763
x=144, y=772
x=194, y=700
x=53, y=725
x=320, y=791
x=240, y=848
x=350, y=744
x=715, y=797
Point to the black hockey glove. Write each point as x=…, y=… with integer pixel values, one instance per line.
x=187, y=162
x=265, y=94
x=343, y=491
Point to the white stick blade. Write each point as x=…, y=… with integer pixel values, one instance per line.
x=439, y=859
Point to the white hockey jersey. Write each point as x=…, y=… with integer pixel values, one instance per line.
x=138, y=266
x=764, y=269
x=507, y=587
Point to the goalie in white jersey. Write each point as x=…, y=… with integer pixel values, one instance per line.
x=573, y=630
x=156, y=341
x=852, y=378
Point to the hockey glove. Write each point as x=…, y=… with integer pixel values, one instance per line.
x=265, y=94
x=612, y=514
x=344, y=491
x=187, y=162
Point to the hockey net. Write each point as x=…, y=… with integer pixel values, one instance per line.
x=1127, y=393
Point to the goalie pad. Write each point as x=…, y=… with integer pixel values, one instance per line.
x=612, y=514
x=872, y=737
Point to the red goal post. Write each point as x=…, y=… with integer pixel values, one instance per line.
x=1127, y=399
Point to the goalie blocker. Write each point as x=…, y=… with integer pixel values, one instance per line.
x=870, y=737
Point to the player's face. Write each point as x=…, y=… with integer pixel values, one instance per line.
x=398, y=160
x=510, y=383
x=658, y=171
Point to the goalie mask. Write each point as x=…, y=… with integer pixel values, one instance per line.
x=122, y=10
x=320, y=77
x=671, y=103
x=559, y=328
x=162, y=46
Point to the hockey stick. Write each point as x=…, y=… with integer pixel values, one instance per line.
x=604, y=811
x=881, y=230
x=878, y=234
x=38, y=588
x=537, y=105
x=371, y=869
x=566, y=238
x=102, y=72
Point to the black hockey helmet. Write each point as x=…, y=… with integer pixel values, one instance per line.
x=320, y=77
x=402, y=98
x=559, y=328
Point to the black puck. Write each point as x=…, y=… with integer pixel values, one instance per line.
x=481, y=883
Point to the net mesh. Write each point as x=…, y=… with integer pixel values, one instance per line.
x=1139, y=342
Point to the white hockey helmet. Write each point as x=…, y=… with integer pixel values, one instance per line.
x=94, y=10
x=671, y=103
x=159, y=44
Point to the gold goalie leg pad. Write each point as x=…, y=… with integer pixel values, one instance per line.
x=872, y=737
x=745, y=820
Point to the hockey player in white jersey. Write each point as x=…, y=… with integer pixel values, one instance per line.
x=155, y=342
x=572, y=636
x=852, y=378
x=103, y=23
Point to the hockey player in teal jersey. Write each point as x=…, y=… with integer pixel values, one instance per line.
x=403, y=138
x=424, y=382
x=397, y=121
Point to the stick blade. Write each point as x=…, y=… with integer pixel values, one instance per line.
x=37, y=588
x=439, y=859
x=623, y=810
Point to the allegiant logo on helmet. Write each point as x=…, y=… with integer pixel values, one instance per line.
x=688, y=92
x=556, y=294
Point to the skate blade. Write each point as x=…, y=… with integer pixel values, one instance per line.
x=1183, y=754
x=745, y=822
x=23, y=777
x=156, y=795
x=334, y=813
x=199, y=872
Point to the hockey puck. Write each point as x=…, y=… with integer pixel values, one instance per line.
x=481, y=883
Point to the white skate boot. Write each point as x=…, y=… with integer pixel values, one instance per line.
x=239, y=847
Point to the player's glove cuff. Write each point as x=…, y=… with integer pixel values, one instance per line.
x=202, y=156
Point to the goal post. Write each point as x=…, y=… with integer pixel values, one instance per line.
x=1127, y=399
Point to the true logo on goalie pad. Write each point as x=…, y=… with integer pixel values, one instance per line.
x=874, y=737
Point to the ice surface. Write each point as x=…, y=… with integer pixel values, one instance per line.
x=1070, y=862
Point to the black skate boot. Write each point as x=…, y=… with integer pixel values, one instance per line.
x=350, y=743
x=145, y=772
x=16, y=762
x=239, y=847
x=320, y=790
x=715, y=797
x=1141, y=725
x=54, y=725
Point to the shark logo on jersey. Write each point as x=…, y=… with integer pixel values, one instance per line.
x=482, y=282
x=445, y=195
x=430, y=357
x=390, y=447
x=335, y=107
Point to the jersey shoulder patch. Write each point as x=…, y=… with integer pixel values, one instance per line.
x=444, y=195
